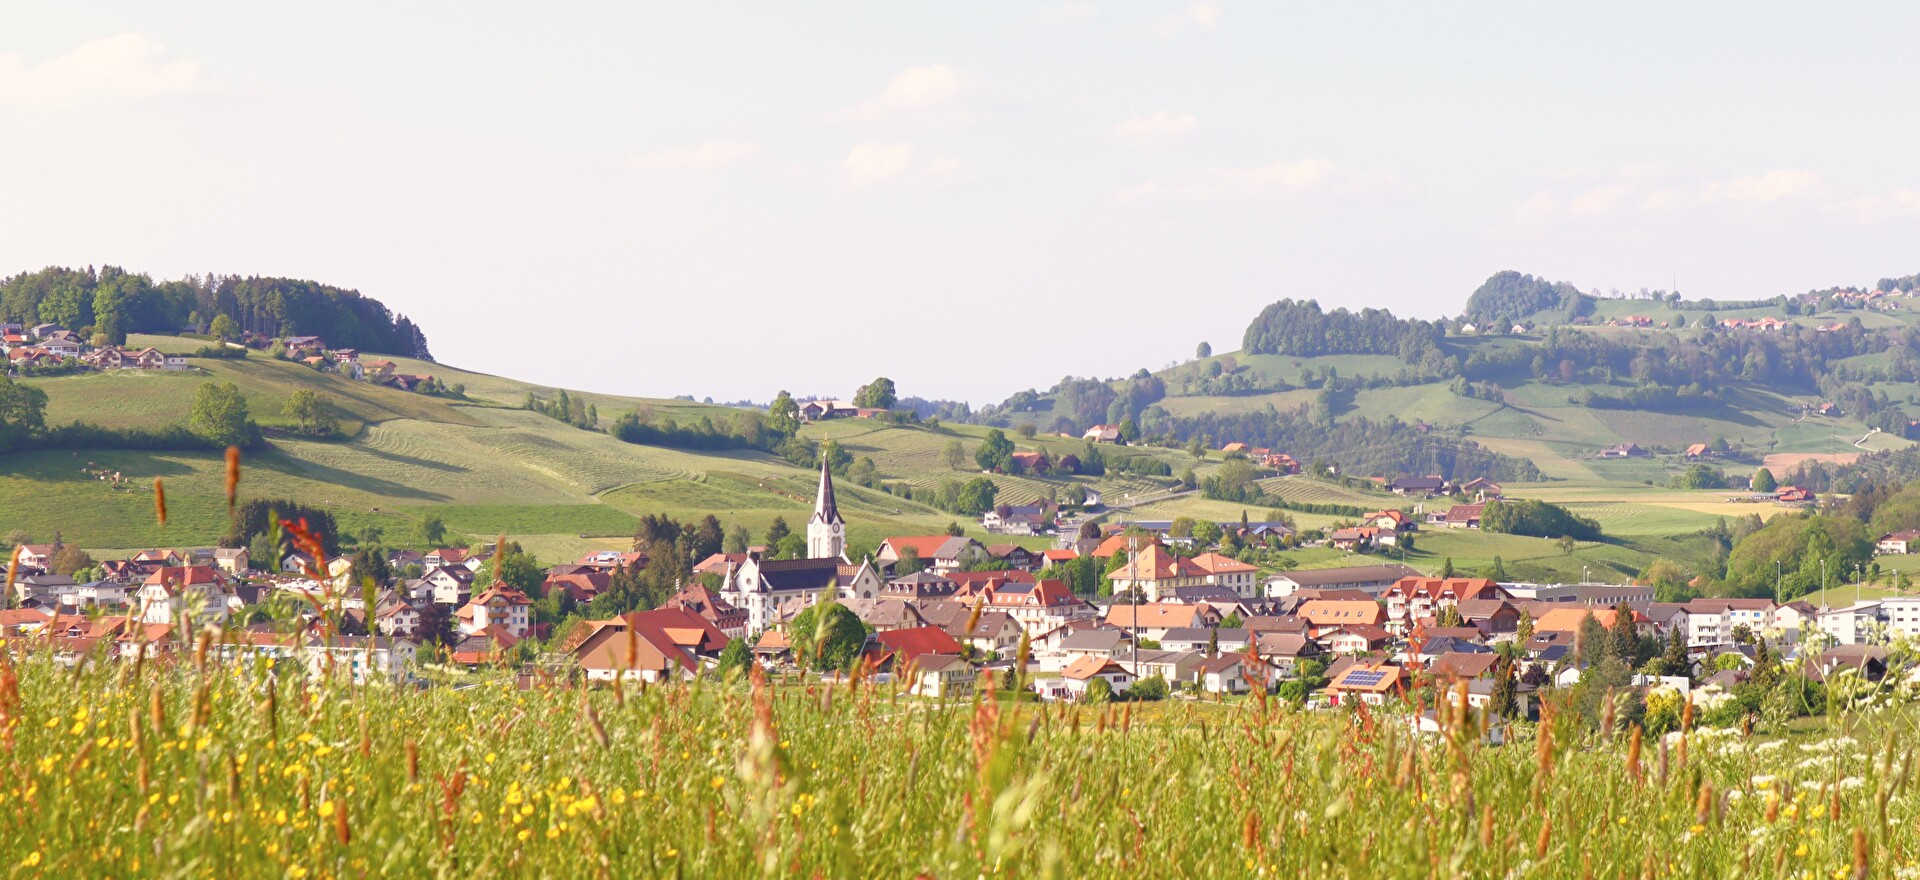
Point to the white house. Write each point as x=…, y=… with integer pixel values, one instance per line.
x=1851, y=625
x=450, y=584
x=940, y=675
x=175, y=593
x=500, y=605
x=1082, y=673
x=361, y=658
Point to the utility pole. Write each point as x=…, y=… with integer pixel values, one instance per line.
x=1133, y=595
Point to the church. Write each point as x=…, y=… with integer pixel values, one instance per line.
x=762, y=586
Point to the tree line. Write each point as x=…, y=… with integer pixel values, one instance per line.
x=1301, y=328
x=112, y=302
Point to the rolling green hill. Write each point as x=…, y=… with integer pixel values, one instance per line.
x=1412, y=397
x=481, y=463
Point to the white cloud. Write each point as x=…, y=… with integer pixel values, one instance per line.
x=1203, y=16
x=118, y=67
x=1064, y=14
x=1650, y=189
x=948, y=166
x=1600, y=200
x=876, y=162
x=934, y=92
x=1899, y=205
x=710, y=156
x=1780, y=183
x=1537, y=208
x=1157, y=127
x=1262, y=181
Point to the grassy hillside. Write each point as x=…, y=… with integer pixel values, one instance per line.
x=486, y=466
x=482, y=464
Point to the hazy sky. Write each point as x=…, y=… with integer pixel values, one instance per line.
x=727, y=199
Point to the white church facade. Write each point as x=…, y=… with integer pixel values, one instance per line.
x=761, y=586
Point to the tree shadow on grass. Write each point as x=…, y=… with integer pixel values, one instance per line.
x=338, y=476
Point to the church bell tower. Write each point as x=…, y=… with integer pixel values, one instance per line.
x=826, y=531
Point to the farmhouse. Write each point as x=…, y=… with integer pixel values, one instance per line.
x=1465, y=516
x=942, y=553
x=1897, y=543
x=1427, y=485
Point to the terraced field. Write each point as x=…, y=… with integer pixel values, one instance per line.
x=1304, y=490
x=1626, y=519
x=510, y=392
x=1526, y=557
x=153, y=399
x=1218, y=511
x=1283, y=401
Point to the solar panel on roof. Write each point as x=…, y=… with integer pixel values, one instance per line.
x=1366, y=679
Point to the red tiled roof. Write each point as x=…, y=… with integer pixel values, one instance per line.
x=908, y=644
x=924, y=546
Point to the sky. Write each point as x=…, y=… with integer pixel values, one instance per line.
x=727, y=199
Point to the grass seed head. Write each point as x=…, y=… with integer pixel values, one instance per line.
x=233, y=477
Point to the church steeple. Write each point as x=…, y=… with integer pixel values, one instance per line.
x=826, y=531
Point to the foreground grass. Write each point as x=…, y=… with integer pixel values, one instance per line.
x=121, y=771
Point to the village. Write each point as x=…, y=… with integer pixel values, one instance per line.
x=941, y=614
x=51, y=349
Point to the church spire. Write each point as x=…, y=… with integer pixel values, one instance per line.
x=824, y=509
x=826, y=531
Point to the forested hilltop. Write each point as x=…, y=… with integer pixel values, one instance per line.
x=1390, y=394
x=113, y=302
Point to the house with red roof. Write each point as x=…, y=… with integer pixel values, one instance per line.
x=1370, y=683
x=1413, y=598
x=1357, y=638
x=1325, y=615
x=1358, y=538
x=1390, y=520
x=941, y=553
x=729, y=619
x=1897, y=543
x=582, y=586
x=1465, y=516
x=501, y=605
x=665, y=644
x=895, y=649
x=1081, y=673
x=174, y=593
x=1038, y=608
x=1156, y=572
x=485, y=647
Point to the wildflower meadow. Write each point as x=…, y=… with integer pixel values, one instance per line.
x=222, y=770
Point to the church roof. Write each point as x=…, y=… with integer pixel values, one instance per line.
x=824, y=508
x=800, y=574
